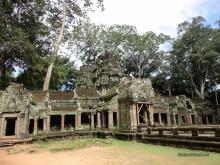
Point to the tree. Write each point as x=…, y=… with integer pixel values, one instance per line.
x=194, y=53
x=89, y=40
x=63, y=77
x=62, y=17
x=22, y=36
x=142, y=53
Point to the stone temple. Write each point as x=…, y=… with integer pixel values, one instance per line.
x=104, y=99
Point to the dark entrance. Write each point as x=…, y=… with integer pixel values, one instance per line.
x=156, y=119
x=193, y=119
x=69, y=122
x=164, y=118
x=85, y=120
x=115, y=119
x=40, y=124
x=104, y=119
x=31, y=126
x=10, y=126
x=55, y=122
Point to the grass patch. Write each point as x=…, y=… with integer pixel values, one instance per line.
x=171, y=153
x=67, y=144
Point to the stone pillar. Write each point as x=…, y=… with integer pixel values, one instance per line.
x=151, y=115
x=118, y=120
x=92, y=121
x=18, y=126
x=62, y=122
x=110, y=119
x=179, y=119
x=174, y=120
x=103, y=120
x=44, y=124
x=78, y=121
x=168, y=119
x=207, y=119
x=48, y=123
x=2, y=122
x=159, y=116
x=189, y=119
x=213, y=119
x=35, y=126
x=3, y=126
x=98, y=120
x=146, y=118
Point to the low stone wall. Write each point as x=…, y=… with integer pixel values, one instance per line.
x=190, y=137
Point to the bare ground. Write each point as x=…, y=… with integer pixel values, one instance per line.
x=96, y=155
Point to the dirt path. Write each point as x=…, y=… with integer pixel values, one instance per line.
x=94, y=155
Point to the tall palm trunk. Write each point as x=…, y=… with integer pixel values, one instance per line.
x=56, y=49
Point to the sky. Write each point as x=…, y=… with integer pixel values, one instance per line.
x=160, y=16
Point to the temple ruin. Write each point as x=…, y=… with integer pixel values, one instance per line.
x=104, y=99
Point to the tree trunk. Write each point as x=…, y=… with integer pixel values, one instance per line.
x=169, y=90
x=2, y=67
x=202, y=87
x=56, y=49
x=216, y=95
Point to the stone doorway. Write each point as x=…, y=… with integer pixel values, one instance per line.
x=143, y=114
x=55, y=122
x=85, y=120
x=31, y=126
x=69, y=123
x=193, y=119
x=10, y=126
x=115, y=124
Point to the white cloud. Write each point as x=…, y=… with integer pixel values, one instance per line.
x=160, y=16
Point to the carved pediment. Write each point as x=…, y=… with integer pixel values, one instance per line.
x=14, y=99
x=11, y=107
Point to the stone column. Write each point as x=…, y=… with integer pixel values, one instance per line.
x=168, y=119
x=207, y=119
x=62, y=122
x=3, y=126
x=174, y=119
x=48, y=123
x=2, y=122
x=146, y=118
x=110, y=119
x=92, y=121
x=179, y=119
x=18, y=126
x=35, y=126
x=159, y=116
x=213, y=119
x=103, y=120
x=98, y=120
x=78, y=121
x=44, y=124
x=133, y=117
x=151, y=115
x=118, y=120
x=189, y=118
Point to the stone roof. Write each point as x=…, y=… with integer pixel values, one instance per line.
x=86, y=92
x=197, y=100
x=61, y=95
x=38, y=96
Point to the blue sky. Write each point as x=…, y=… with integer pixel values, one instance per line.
x=160, y=16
